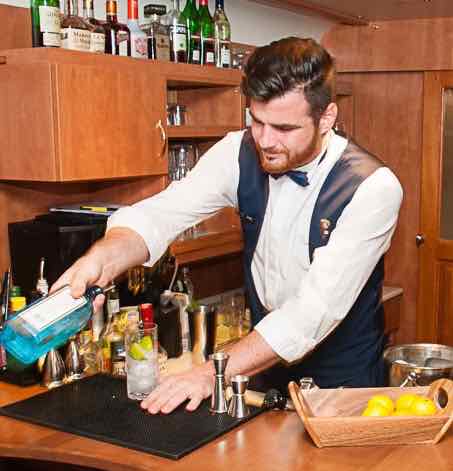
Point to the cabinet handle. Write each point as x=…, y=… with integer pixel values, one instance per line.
x=163, y=136
x=419, y=240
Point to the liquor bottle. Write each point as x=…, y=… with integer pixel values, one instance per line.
x=207, y=34
x=45, y=23
x=222, y=36
x=139, y=40
x=158, y=40
x=75, y=34
x=117, y=35
x=193, y=32
x=47, y=323
x=97, y=41
x=178, y=34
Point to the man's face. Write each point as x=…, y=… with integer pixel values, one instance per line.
x=284, y=132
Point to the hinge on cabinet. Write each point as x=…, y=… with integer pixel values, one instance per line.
x=2, y=60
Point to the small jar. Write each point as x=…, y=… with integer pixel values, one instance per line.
x=179, y=115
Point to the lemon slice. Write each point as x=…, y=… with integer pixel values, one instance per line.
x=146, y=343
x=136, y=352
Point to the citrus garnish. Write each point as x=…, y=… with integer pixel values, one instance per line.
x=405, y=401
x=146, y=343
x=376, y=410
x=381, y=400
x=423, y=406
x=136, y=352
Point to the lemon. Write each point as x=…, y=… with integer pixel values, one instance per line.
x=423, y=406
x=146, y=343
x=376, y=410
x=401, y=412
x=136, y=352
x=405, y=401
x=381, y=400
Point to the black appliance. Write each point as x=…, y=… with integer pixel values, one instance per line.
x=61, y=238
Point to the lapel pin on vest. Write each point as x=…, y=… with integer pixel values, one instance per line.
x=324, y=228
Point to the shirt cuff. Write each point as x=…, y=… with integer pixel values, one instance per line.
x=133, y=218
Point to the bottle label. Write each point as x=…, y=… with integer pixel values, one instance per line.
x=113, y=306
x=179, y=36
x=122, y=39
x=50, y=310
x=139, y=46
x=162, y=47
x=225, y=56
x=75, y=39
x=210, y=57
x=97, y=43
x=49, y=19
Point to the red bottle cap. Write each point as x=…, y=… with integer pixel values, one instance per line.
x=147, y=314
x=132, y=9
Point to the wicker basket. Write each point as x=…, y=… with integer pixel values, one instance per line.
x=332, y=417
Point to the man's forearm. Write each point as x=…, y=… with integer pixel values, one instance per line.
x=120, y=249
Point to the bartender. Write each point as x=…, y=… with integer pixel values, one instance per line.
x=318, y=213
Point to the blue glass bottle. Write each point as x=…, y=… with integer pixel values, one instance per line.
x=47, y=323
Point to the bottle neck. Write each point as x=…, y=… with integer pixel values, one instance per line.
x=111, y=10
x=219, y=5
x=88, y=9
x=176, y=5
x=132, y=10
x=71, y=8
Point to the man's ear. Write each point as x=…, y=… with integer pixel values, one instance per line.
x=328, y=118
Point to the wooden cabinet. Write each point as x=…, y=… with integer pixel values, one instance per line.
x=101, y=120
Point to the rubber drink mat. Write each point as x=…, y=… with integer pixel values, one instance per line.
x=98, y=407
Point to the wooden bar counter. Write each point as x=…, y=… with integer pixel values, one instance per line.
x=272, y=441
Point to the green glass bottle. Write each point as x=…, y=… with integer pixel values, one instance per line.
x=45, y=23
x=207, y=34
x=222, y=36
x=190, y=12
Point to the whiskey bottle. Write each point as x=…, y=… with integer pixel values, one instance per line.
x=75, y=34
x=45, y=23
x=139, y=42
x=207, y=34
x=117, y=35
x=222, y=31
x=158, y=40
x=178, y=34
x=190, y=12
x=97, y=31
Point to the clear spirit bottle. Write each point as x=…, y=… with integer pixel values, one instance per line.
x=75, y=34
x=47, y=323
x=97, y=42
x=222, y=36
x=158, y=40
x=178, y=34
x=139, y=40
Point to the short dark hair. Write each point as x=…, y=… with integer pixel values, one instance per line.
x=290, y=64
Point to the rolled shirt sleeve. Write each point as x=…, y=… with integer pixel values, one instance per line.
x=209, y=187
x=339, y=269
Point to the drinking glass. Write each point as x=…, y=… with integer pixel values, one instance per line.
x=142, y=366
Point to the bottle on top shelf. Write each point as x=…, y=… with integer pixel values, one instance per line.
x=117, y=35
x=190, y=13
x=178, y=34
x=97, y=31
x=75, y=34
x=45, y=23
x=222, y=31
x=158, y=39
x=207, y=34
x=139, y=40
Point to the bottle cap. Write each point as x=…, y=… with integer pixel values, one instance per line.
x=17, y=303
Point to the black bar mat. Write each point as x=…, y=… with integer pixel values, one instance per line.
x=98, y=407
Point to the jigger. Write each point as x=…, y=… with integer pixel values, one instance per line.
x=53, y=370
x=218, y=400
x=237, y=407
x=73, y=361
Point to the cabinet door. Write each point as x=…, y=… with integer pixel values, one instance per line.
x=27, y=149
x=435, y=314
x=110, y=122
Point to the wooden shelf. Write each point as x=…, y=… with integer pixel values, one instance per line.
x=197, y=132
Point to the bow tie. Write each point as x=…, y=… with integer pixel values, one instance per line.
x=296, y=176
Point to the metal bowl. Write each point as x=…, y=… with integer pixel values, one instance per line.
x=418, y=364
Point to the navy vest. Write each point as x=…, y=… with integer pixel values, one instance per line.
x=352, y=354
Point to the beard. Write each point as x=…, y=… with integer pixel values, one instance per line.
x=280, y=159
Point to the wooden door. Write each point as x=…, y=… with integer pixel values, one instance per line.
x=110, y=122
x=435, y=314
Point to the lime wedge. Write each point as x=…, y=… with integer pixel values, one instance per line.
x=146, y=343
x=136, y=352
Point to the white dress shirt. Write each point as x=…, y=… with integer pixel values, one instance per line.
x=305, y=301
